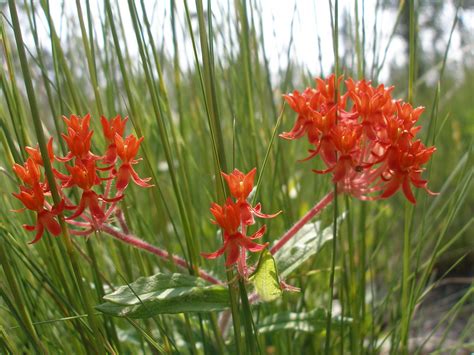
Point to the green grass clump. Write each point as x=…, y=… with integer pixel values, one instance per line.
x=197, y=80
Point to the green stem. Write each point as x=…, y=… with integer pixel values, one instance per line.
x=405, y=305
x=250, y=335
x=405, y=310
x=335, y=38
x=353, y=287
x=327, y=347
x=362, y=280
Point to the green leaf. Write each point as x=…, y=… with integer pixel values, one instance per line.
x=305, y=243
x=165, y=294
x=265, y=278
x=309, y=322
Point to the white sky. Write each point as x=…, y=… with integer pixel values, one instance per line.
x=309, y=18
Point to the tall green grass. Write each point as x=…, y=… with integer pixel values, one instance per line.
x=208, y=104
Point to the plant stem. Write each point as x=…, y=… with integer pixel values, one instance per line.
x=406, y=311
x=331, y=278
x=326, y=200
x=250, y=332
x=141, y=244
x=335, y=38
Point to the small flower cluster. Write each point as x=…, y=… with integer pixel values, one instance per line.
x=366, y=139
x=234, y=216
x=83, y=167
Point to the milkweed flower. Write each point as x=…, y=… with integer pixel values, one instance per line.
x=365, y=138
x=32, y=197
x=234, y=216
x=110, y=128
x=228, y=217
x=240, y=186
x=83, y=173
x=127, y=149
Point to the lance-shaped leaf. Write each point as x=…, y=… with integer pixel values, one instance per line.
x=309, y=322
x=305, y=243
x=265, y=278
x=165, y=293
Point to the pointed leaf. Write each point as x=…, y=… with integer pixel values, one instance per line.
x=265, y=278
x=165, y=294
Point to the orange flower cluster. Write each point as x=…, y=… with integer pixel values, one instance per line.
x=234, y=217
x=93, y=208
x=366, y=139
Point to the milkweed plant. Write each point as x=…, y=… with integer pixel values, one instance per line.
x=227, y=279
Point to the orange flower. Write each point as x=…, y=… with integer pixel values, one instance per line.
x=127, y=149
x=404, y=168
x=29, y=173
x=83, y=174
x=33, y=199
x=228, y=217
x=111, y=127
x=35, y=153
x=78, y=138
x=371, y=147
x=240, y=184
x=234, y=217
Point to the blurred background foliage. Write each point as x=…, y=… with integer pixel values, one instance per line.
x=92, y=59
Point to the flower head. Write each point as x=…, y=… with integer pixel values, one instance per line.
x=84, y=174
x=33, y=199
x=78, y=137
x=110, y=128
x=240, y=184
x=228, y=217
x=127, y=149
x=35, y=153
x=234, y=216
x=367, y=140
x=29, y=173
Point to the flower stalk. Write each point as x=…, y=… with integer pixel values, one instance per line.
x=325, y=201
x=138, y=243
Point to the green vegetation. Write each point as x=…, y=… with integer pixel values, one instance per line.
x=196, y=82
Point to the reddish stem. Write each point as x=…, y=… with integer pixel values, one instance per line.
x=326, y=200
x=141, y=244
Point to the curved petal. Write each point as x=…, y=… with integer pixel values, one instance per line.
x=256, y=212
x=215, y=254
x=123, y=177
x=80, y=208
x=29, y=228
x=95, y=208
x=232, y=254
x=259, y=233
x=67, y=158
x=312, y=154
x=407, y=190
x=251, y=246
x=39, y=233
x=48, y=221
x=392, y=187
x=325, y=171
x=113, y=199
x=139, y=181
